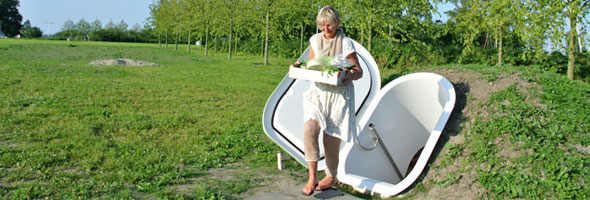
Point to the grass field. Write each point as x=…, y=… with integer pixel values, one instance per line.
x=72, y=130
x=69, y=129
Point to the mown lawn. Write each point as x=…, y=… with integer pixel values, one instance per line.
x=72, y=130
x=68, y=129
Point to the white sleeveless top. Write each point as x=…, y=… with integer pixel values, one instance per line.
x=331, y=106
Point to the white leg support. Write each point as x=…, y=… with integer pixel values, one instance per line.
x=280, y=159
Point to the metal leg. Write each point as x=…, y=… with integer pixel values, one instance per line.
x=386, y=152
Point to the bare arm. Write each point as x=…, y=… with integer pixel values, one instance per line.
x=311, y=56
x=356, y=72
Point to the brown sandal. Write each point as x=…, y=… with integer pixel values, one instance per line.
x=322, y=187
x=311, y=191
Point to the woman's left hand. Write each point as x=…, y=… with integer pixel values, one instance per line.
x=348, y=78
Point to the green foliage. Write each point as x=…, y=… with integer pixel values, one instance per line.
x=27, y=31
x=10, y=18
x=281, y=49
x=547, y=166
x=112, y=32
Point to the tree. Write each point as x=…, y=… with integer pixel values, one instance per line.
x=10, y=18
x=122, y=26
x=95, y=26
x=27, y=31
x=500, y=17
x=83, y=28
x=467, y=22
x=110, y=25
x=68, y=25
x=161, y=14
x=575, y=10
x=553, y=17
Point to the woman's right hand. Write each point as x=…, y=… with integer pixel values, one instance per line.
x=297, y=64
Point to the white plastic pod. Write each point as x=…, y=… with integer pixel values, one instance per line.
x=402, y=123
x=398, y=126
x=283, y=114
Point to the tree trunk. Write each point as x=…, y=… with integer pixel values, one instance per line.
x=500, y=39
x=571, y=48
x=496, y=43
x=206, y=40
x=363, y=34
x=159, y=39
x=218, y=43
x=390, y=33
x=370, y=30
x=201, y=42
x=236, y=43
x=215, y=40
x=301, y=39
x=579, y=40
x=188, y=39
x=486, y=43
x=166, y=38
x=231, y=26
x=266, y=40
x=176, y=38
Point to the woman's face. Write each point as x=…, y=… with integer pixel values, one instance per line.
x=329, y=30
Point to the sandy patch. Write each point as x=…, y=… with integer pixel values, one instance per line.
x=266, y=180
x=122, y=62
x=584, y=149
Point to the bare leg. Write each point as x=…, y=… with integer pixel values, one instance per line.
x=331, y=149
x=311, y=131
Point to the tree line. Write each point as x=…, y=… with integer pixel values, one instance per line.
x=398, y=32
x=95, y=31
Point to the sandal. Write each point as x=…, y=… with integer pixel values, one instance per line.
x=322, y=186
x=310, y=191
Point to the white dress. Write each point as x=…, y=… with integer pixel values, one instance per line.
x=331, y=106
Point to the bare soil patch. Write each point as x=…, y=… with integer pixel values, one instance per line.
x=264, y=180
x=122, y=62
x=584, y=149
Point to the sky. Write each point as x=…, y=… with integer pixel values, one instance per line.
x=50, y=15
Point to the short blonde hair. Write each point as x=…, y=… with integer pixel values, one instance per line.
x=328, y=14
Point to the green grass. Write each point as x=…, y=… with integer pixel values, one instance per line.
x=71, y=130
x=554, y=168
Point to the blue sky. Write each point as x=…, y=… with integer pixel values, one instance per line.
x=51, y=15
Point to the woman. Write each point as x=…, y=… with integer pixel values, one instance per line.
x=328, y=109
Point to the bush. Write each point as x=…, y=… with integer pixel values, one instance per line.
x=31, y=32
x=408, y=55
